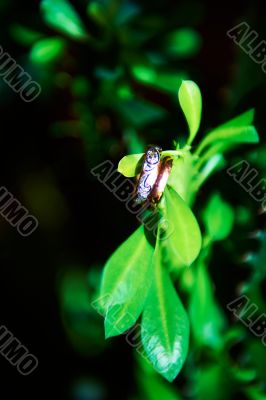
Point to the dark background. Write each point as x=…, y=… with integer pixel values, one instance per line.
x=80, y=222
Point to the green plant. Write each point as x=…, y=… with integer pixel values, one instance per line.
x=137, y=277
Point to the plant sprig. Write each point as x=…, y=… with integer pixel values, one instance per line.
x=136, y=277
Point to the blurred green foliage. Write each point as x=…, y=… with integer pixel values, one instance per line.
x=109, y=69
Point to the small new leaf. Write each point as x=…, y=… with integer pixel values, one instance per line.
x=129, y=165
x=191, y=103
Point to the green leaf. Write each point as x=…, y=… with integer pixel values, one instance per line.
x=191, y=103
x=241, y=120
x=62, y=16
x=167, y=81
x=47, y=50
x=154, y=388
x=144, y=73
x=183, y=42
x=128, y=165
x=185, y=236
x=241, y=134
x=125, y=283
x=173, y=153
x=207, y=320
x=218, y=218
x=182, y=175
x=237, y=130
x=165, y=326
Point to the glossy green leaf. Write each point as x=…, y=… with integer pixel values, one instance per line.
x=61, y=15
x=47, y=50
x=165, y=326
x=218, y=218
x=185, y=236
x=128, y=165
x=125, y=283
x=206, y=318
x=191, y=103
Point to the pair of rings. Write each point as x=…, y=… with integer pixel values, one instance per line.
x=153, y=176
